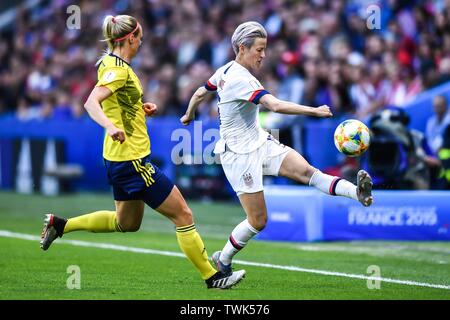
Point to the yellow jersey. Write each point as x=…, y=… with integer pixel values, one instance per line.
x=124, y=109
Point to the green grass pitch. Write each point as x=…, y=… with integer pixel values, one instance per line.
x=27, y=272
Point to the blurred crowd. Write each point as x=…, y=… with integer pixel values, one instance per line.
x=319, y=52
x=357, y=56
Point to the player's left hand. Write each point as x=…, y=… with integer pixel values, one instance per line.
x=323, y=111
x=186, y=119
x=150, y=109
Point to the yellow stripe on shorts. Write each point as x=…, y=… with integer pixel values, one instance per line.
x=149, y=170
x=145, y=175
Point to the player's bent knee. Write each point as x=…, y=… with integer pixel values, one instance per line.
x=129, y=226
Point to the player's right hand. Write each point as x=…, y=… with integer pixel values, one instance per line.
x=323, y=111
x=150, y=109
x=116, y=134
x=185, y=120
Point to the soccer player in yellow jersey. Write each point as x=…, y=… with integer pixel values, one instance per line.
x=116, y=104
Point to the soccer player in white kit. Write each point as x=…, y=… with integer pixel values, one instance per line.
x=247, y=152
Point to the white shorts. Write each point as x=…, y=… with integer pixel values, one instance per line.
x=245, y=171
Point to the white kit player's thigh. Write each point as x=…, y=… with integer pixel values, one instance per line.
x=243, y=171
x=275, y=152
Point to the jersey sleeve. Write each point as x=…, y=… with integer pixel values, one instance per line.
x=211, y=84
x=113, y=78
x=249, y=89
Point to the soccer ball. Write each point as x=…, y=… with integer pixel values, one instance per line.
x=352, y=137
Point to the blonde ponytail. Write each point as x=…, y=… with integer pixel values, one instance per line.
x=115, y=30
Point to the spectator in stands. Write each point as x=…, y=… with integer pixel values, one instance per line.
x=377, y=90
x=362, y=91
x=437, y=123
x=62, y=108
x=444, y=156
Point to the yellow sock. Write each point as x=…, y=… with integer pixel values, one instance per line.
x=192, y=245
x=99, y=221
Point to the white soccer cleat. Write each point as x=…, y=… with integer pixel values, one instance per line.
x=364, y=188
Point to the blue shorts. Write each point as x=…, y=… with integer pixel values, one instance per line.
x=138, y=180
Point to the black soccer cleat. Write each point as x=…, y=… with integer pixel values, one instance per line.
x=53, y=228
x=221, y=281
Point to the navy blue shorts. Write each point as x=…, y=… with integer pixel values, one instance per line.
x=138, y=180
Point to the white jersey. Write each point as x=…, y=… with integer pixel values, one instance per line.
x=238, y=93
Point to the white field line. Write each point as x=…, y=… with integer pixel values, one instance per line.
x=437, y=256
x=9, y=234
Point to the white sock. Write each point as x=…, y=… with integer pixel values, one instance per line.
x=333, y=185
x=239, y=237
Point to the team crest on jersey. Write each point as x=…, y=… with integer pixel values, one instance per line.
x=221, y=83
x=248, y=179
x=109, y=76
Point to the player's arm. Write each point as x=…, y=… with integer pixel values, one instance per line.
x=280, y=106
x=196, y=99
x=95, y=111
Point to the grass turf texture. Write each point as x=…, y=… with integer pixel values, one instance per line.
x=26, y=272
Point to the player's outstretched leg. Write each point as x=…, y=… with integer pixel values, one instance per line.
x=53, y=228
x=364, y=188
x=225, y=269
x=295, y=167
x=223, y=281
